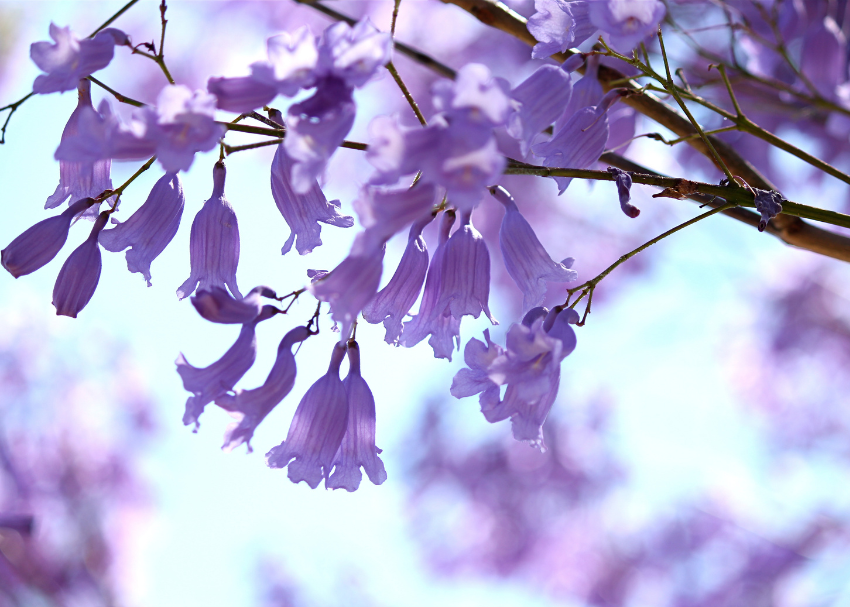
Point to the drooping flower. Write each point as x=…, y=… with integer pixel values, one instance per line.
x=213, y=243
x=217, y=305
x=526, y=260
x=623, y=179
x=80, y=274
x=395, y=300
x=77, y=179
x=317, y=428
x=38, y=245
x=302, y=211
x=558, y=25
x=208, y=383
x=626, y=22
x=587, y=92
x=252, y=406
x=69, y=59
x=358, y=445
x=383, y=213
x=150, y=229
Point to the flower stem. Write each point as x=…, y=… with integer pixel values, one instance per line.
x=121, y=98
x=13, y=107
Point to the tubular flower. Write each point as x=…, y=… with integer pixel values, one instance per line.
x=80, y=274
x=77, y=179
x=317, y=428
x=251, y=407
x=302, y=211
x=37, y=246
x=214, y=243
x=150, y=229
x=358, y=445
x=217, y=305
x=538, y=102
x=208, y=383
x=526, y=260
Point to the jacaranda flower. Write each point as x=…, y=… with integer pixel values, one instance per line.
x=80, y=274
x=219, y=306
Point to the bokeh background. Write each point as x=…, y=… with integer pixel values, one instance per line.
x=698, y=450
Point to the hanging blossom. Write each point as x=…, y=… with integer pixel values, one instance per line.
x=219, y=306
x=78, y=278
x=77, y=179
x=69, y=59
x=529, y=365
x=526, y=261
x=457, y=150
x=150, y=229
x=213, y=243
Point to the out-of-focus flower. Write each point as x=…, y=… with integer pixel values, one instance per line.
x=80, y=274
x=68, y=59
x=824, y=56
x=150, y=229
x=353, y=54
x=317, y=428
x=39, y=244
x=627, y=22
x=252, y=406
x=214, y=243
x=525, y=259
x=358, y=445
x=558, y=25
x=217, y=305
x=208, y=383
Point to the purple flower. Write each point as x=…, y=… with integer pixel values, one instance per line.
x=627, y=22
x=353, y=55
x=151, y=228
x=395, y=300
x=39, y=244
x=302, y=211
x=475, y=96
x=558, y=25
x=213, y=243
x=68, y=59
x=358, y=445
x=252, y=406
x=317, y=428
x=586, y=92
x=624, y=185
x=208, y=383
x=217, y=305
x=478, y=357
x=824, y=55
x=80, y=274
x=769, y=204
x=76, y=179
x=526, y=260
x=539, y=101
x=383, y=213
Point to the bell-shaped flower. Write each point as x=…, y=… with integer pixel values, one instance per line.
x=358, y=445
x=38, y=245
x=354, y=55
x=623, y=179
x=558, y=25
x=302, y=211
x=383, y=213
x=317, y=428
x=208, y=383
x=626, y=22
x=150, y=229
x=80, y=274
x=526, y=260
x=252, y=406
x=394, y=301
x=217, y=305
x=432, y=319
x=538, y=101
x=351, y=285
x=587, y=91
x=213, y=243
x=581, y=141
x=77, y=179
x=69, y=59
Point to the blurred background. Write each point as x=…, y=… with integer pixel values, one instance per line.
x=698, y=450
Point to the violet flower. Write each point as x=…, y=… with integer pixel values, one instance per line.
x=623, y=179
x=77, y=179
x=317, y=428
x=558, y=25
x=217, y=305
x=395, y=300
x=538, y=101
x=526, y=260
x=824, y=55
x=213, y=243
x=208, y=383
x=302, y=211
x=587, y=91
x=150, y=229
x=358, y=445
x=383, y=213
x=252, y=406
x=69, y=59
x=80, y=274
x=478, y=356
x=627, y=22
x=39, y=244
x=354, y=55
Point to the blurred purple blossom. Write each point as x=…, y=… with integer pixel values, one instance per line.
x=626, y=22
x=558, y=25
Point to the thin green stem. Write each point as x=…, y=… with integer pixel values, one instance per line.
x=109, y=21
x=121, y=98
x=722, y=69
x=395, y=16
x=229, y=149
x=120, y=190
x=13, y=107
x=406, y=92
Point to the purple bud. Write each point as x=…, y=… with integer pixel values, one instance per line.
x=80, y=274
x=252, y=406
x=317, y=428
x=151, y=228
x=39, y=244
x=217, y=305
x=624, y=185
x=213, y=243
x=70, y=59
x=769, y=204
